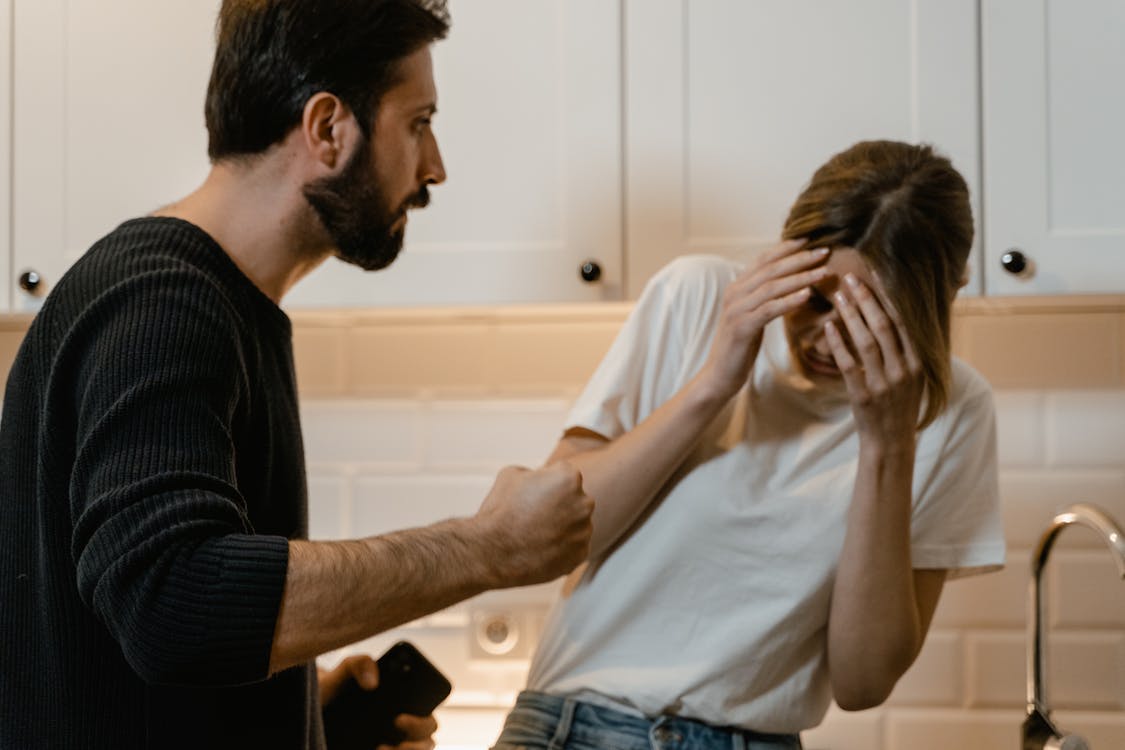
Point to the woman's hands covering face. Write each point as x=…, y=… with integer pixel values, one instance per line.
x=778, y=283
x=881, y=369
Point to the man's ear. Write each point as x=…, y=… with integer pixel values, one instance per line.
x=329, y=129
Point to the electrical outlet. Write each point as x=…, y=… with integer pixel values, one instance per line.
x=504, y=633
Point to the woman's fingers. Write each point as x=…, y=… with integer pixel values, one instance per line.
x=761, y=294
x=781, y=249
x=913, y=361
x=880, y=326
x=845, y=362
x=866, y=347
x=768, y=269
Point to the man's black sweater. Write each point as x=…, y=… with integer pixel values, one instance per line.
x=151, y=473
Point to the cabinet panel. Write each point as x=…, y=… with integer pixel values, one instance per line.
x=5, y=154
x=108, y=119
x=109, y=125
x=529, y=124
x=731, y=104
x=1054, y=154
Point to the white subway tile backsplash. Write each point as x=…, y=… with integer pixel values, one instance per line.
x=842, y=730
x=385, y=433
x=492, y=434
x=540, y=596
x=383, y=464
x=923, y=729
x=381, y=504
x=935, y=679
x=1032, y=497
x=466, y=727
x=1086, y=428
x=1085, y=670
x=993, y=600
x=1085, y=589
x=1104, y=730
x=996, y=669
x=328, y=502
x=1019, y=428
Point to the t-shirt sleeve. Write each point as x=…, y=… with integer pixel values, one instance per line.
x=659, y=347
x=165, y=553
x=957, y=523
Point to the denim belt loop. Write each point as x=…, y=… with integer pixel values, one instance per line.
x=738, y=741
x=562, y=731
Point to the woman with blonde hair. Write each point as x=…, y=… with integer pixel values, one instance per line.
x=787, y=464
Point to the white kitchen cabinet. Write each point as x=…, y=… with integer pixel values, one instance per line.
x=109, y=125
x=529, y=125
x=107, y=121
x=5, y=152
x=622, y=131
x=731, y=105
x=1054, y=108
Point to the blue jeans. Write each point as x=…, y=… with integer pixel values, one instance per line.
x=546, y=722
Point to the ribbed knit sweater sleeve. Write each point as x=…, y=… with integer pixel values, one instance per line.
x=163, y=546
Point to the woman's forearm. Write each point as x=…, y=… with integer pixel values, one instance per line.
x=625, y=474
x=878, y=617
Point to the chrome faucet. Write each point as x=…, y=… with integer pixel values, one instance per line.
x=1039, y=732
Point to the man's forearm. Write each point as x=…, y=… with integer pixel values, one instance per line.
x=340, y=592
x=533, y=527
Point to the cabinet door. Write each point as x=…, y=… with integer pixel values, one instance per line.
x=1054, y=146
x=109, y=125
x=108, y=119
x=5, y=156
x=731, y=105
x=529, y=125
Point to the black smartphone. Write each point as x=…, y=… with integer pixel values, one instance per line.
x=359, y=719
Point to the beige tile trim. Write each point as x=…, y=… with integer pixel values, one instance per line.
x=503, y=350
x=1094, y=303
x=1017, y=342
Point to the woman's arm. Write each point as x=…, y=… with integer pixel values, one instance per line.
x=625, y=474
x=881, y=607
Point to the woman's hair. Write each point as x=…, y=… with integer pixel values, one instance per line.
x=272, y=56
x=905, y=209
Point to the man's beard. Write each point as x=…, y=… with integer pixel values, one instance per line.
x=356, y=214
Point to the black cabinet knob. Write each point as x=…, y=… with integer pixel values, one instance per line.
x=1014, y=262
x=590, y=271
x=31, y=282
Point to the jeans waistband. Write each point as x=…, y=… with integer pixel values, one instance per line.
x=556, y=723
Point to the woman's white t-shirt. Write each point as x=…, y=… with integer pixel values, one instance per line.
x=715, y=605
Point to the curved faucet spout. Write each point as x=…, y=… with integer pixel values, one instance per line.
x=1084, y=515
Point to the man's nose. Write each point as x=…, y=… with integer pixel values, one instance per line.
x=433, y=169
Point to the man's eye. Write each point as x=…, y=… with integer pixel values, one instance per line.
x=818, y=302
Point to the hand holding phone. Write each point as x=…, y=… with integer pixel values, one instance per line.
x=358, y=719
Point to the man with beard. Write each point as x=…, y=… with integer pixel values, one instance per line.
x=156, y=590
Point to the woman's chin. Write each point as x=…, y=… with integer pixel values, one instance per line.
x=815, y=367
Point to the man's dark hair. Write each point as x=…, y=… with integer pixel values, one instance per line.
x=273, y=55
